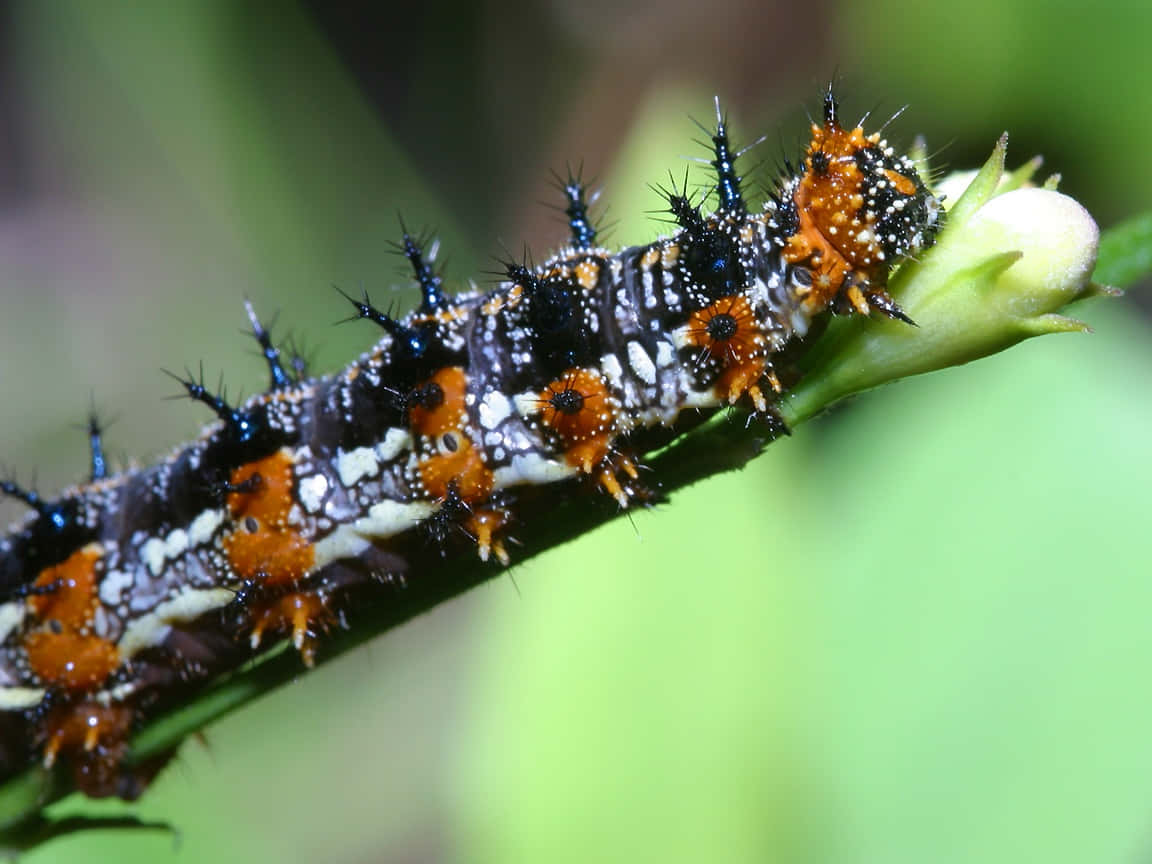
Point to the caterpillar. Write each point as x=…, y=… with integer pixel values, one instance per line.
x=125, y=589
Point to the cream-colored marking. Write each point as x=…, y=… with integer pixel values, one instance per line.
x=19, y=698
x=531, y=468
x=312, y=490
x=759, y=292
x=612, y=369
x=113, y=586
x=665, y=353
x=176, y=544
x=116, y=694
x=11, y=616
x=494, y=409
x=344, y=542
x=641, y=363
x=700, y=399
x=387, y=517
x=682, y=336
x=800, y=322
x=384, y=519
x=156, y=552
x=100, y=622
x=355, y=465
x=204, y=527
x=151, y=629
x=152, y=554
x=527, y=404
x=395, y=441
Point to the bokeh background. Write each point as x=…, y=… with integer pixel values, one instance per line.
x=919, y=630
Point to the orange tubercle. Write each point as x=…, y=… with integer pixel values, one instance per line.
x=71, y=660
x=579, y=408
x=462, y=466
x=449, y=410
x=85, y=728
x=71, y=599
x=484, y=525
x=727, y=330
x=62, y=649
x=266, y=548
x=450, y=457
x=299, y=613
x=263, y=545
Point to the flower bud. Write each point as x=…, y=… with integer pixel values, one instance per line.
x=1004, y=264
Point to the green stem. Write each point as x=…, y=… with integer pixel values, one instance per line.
x=963, y=296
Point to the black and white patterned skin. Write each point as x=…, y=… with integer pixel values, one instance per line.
x=669, y=332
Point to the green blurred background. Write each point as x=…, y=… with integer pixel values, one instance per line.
x=915, y=631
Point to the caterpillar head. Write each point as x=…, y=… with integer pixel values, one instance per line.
x=858, y=208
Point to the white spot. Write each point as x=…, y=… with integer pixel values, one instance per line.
x=388, y=517
x=11, y=614
x=649, y=292
x=18, y=698
x=395, y=442
x=494, y=409
x=113, y=585
x=152, y=554
x=700, y=398
x=527, y=404
x=176, y=544
x=612, y=369
x=665, y=353
x=100, y=622
x=682, y=336
x=151, y=629
x=383, y=520
x=531, y=468
x=641, y=363
x=312, y=490
x=355, y=465
x=116, y=694
x=204, y=527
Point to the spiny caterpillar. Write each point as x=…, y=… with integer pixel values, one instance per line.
x=138, y=584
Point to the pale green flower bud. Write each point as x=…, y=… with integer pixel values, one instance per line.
x=1005, y=262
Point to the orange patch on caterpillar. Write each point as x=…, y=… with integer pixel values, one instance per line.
x=263, y=545
x=588, y=274
x=584, y=414
x=483, y=525
x=71, y=660
x=299, y=613
x=459, y=465
x=449, y=411
x=728, y=330
x=94, y=737
x=832, y=238
x=608, y=477
x=900, y=183
x=450, y=458
x=62, y=650
x=71, y=599
x=579, y=409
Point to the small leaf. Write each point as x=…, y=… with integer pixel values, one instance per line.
x=983, y=187
x=1126, y=252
